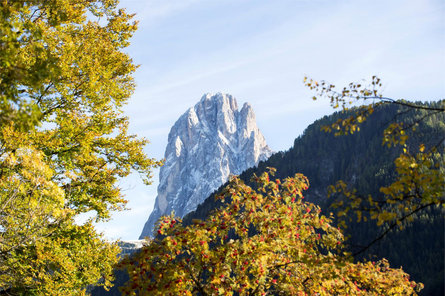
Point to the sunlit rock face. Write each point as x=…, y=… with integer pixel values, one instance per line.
x=209, y=142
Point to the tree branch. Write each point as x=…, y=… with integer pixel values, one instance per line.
x=390, y=228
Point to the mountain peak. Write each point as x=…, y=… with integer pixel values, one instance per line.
x=209, y=142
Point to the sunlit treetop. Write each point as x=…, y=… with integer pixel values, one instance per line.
x=64, y=78
x=64, y=142
x=263, y=241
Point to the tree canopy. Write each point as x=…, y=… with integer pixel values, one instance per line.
x=265, y=240
x=64, y=141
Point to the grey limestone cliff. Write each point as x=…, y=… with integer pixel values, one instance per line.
x=209, y=142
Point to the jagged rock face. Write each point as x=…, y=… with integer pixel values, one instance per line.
x=209, y=142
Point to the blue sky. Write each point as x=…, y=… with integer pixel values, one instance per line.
x=259, y=51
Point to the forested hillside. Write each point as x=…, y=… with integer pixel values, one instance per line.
x=361, y=160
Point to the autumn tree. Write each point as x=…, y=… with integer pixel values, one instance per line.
x=64, y=141
x=263, y=241
x=420, y=180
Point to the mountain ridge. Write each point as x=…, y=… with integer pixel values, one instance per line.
x=208, y=143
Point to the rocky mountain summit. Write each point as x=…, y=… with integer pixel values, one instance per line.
x=209, y=142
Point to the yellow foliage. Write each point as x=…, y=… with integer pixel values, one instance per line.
x=276, y=245
x=63, y=141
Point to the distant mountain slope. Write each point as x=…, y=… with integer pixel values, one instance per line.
x=360, y=159
x=209, y=142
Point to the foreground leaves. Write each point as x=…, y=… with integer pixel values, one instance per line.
x=64, y=141
x=263, y=241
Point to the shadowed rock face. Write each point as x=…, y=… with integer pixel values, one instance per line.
x=209, y=142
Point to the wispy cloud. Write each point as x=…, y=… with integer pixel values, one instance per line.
x=153, y=10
